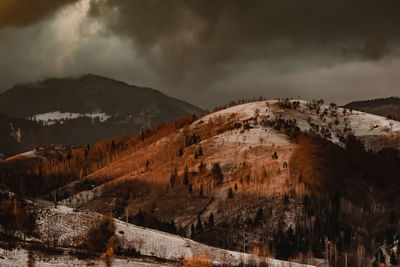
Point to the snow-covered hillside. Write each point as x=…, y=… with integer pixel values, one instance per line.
x=20, y=257
x=331, y=122
x=65, y=227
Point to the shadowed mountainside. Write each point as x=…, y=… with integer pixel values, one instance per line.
x=387, y=107
x=81, y=111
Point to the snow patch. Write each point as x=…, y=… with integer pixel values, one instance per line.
x=51, y=118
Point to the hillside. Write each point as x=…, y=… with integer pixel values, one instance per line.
x=287, y=179
x=81, y=111
x=136, y=245
x=386, y=107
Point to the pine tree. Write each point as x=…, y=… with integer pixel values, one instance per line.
x=192, y=233
x=112, y=145
x=202, y=167
x=173, y=177
x=180, y=152
x=186, y=176
x=190, y=188
x=217, y=173
x=230, y=192
x=142, y=135
x=259, y=215
x=211, y=220
x=199, y=225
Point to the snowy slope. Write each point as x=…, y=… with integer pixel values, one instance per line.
x=374, y=131
x=67, y=227
x=20, y=256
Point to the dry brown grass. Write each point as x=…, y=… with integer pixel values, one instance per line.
x=202, y=261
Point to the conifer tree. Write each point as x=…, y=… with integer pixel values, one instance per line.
x=230, y=192
x=199, y=225
x=186, y=176
x=211, y=220
x=217, y=173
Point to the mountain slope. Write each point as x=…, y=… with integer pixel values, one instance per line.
x=11, y=130
x=279, y=178
x=67, y=229
x=256, y=182
x=88, y=94
x=83, y=110
x=387, y=107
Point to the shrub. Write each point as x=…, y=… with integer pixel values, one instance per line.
x=15, y=216
x=99, y=236
x=202, y=261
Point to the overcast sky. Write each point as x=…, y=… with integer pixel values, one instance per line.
x=209, y=52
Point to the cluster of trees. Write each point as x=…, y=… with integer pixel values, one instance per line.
x=348, y=175
x=43, y=177
x=288, y=103
x=338, y=217
x=16, y=216
x=315, y=105
x=288, y=127
x=199, y=227
x=213, y=177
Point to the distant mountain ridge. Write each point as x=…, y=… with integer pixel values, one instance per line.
x=81, y=110
x=86, y=94
x=388, y=107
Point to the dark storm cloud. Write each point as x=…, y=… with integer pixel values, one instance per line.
x=194, y=43
x=19, y=13
x=209, y=52
x=210, y=31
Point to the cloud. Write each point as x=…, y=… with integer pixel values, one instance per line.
x=20, y=13
x=68, y=44
x=210, y=52
x=179, y=38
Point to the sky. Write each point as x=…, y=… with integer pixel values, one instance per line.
x=209, y=52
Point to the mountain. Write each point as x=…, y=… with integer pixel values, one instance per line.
x=11, y=130
x=82, y=110
x=280, y=178
x=387, y=107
